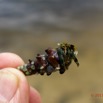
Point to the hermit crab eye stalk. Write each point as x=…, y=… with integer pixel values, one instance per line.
x=53, y=60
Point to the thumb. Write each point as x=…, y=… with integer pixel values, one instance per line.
x=11, y=87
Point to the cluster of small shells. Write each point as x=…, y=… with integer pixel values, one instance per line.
x=53, y=60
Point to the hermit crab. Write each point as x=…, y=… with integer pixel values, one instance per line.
x=58, y=59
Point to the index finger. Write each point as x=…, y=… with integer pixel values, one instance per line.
x=10, y=60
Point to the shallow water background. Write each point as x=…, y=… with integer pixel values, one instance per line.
x=28, y=27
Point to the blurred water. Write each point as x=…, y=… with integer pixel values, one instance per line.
x=73, y=14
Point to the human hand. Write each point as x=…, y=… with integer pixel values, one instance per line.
x=14, y=87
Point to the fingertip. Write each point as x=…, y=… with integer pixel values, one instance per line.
x=13, y=60
x=14, y=80
x=10, y=60
x=34, y=96
x=8, y=82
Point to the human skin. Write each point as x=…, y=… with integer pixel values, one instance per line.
x=14, y=87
